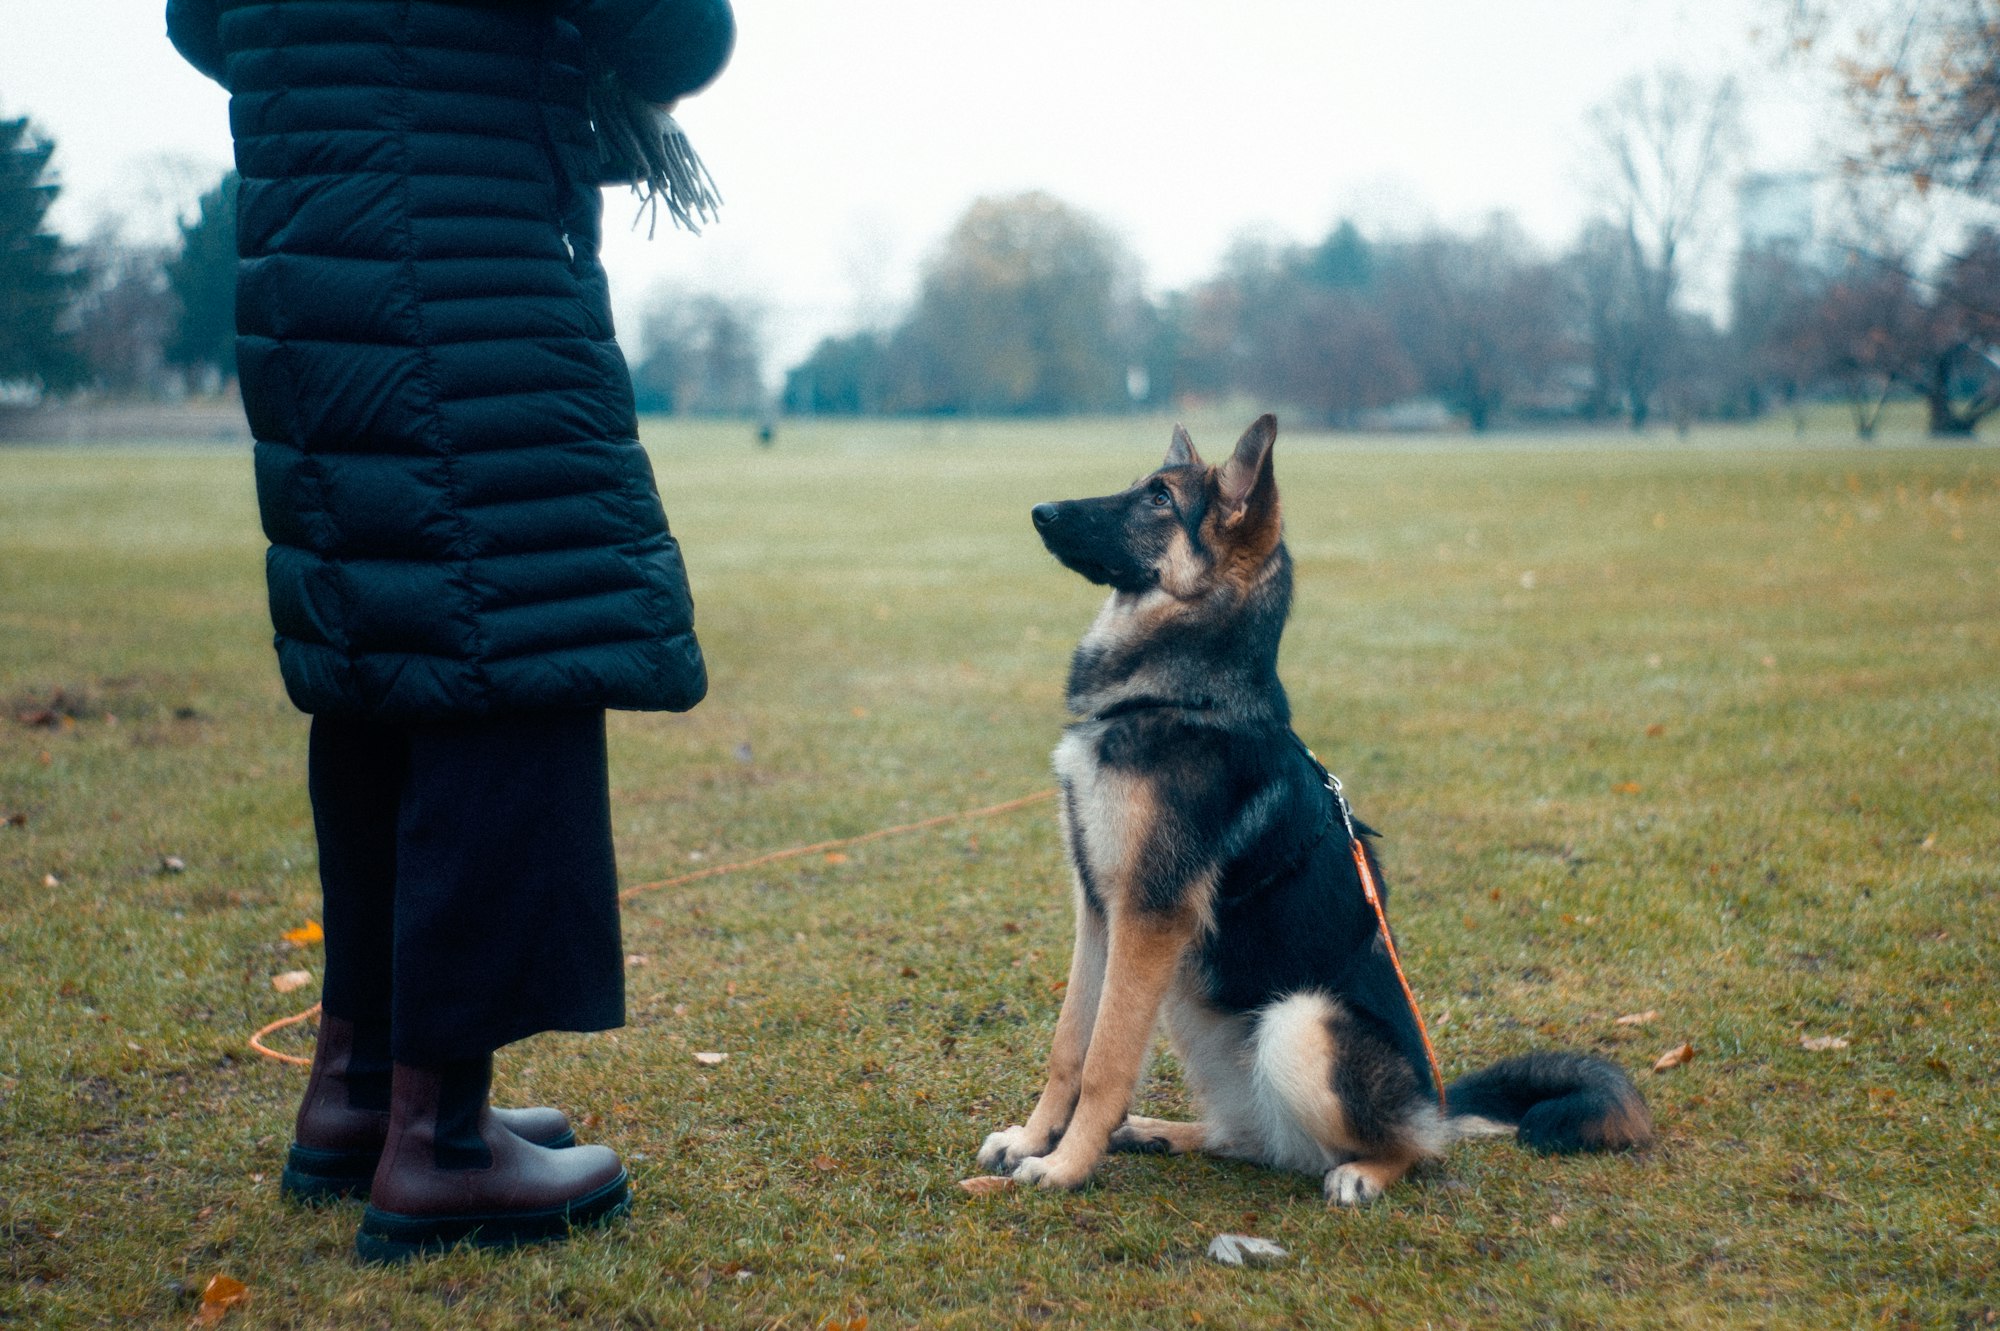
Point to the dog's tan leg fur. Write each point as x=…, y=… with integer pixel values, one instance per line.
x=1145, y=951
x=1010, y=1146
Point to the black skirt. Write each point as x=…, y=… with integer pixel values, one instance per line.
x=471, y=893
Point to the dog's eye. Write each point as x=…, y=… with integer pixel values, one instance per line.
x=1161, y=499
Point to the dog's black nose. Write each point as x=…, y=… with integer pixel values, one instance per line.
x=1045, y=514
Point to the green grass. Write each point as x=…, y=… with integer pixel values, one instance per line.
x=1700, y=726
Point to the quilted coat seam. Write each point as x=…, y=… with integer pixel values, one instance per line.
x=434, y=402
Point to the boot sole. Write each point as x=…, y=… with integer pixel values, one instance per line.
x=386, y=1237
x=314, y=1177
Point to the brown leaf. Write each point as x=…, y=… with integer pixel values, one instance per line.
x=220, y=1295
x=306, y=934
x=286, y=981
x=708, y=1057
x=835, y=857
x=985, y=1184
x=1674, y=1058
x=1638, y=1018
x=1655, y=730
x=1627, y=788
x=825, y=1164
x=1819, y=1044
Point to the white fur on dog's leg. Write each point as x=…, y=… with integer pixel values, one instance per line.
x=1347, y=1185
x=1003, y=1150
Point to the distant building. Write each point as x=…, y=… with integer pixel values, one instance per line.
x=1786, y=210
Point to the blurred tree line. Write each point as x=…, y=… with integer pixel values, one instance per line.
x=1031, y=307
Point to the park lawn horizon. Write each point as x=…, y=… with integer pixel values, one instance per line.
x=1700, y=728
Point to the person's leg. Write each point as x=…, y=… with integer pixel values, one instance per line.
x=506, y=926
x=355, y=775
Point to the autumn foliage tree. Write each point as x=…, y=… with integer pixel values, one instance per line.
x=1027, y=308
x=1923, y=79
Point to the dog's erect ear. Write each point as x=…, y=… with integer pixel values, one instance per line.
x=1180, y=453
x=1246, y=483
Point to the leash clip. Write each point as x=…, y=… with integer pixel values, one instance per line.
x=1332, y=784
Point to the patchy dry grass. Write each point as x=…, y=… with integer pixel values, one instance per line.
x=1705, y=728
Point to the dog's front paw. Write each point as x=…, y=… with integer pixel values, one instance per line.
x=1003, y=1150
x=1349, y=1185
x=1050, y=1171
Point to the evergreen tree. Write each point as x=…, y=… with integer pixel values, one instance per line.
x=203, y=279
x=37, y=271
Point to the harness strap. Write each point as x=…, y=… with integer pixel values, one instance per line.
x=1373, y=893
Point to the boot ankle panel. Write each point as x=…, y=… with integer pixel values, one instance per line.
x=367, y=1088
x=460, y=1141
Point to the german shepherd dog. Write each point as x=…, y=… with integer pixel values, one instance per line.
x=1216, y=882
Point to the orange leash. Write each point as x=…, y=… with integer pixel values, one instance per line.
x=819, y=846
x=713, y=871
x=257, y=1040
x=1370, y=890
x=1374, y=895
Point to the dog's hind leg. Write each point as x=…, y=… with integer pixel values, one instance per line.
x=1005, y=1149
x=1158, y=1136
x=1336, y=1099
x=1144, y=952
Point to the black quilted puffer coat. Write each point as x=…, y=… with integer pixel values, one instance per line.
x=462, y=521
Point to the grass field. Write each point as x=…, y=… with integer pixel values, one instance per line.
x=1705, y=728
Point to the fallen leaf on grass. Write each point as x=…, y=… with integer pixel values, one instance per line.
x=1245, y=1250
x=1628, y=788
x=221, y=1294
x=858, y=1322
x=1638, y=1018
x=985, y=1184
x=825, y=1164
x=1674, y=1058
x=17, y=820
x=1821, y=1043
x=286, y=981
x=1655, y=730
x=172, y=864
x=50, y=880
x=835, y=857
x=708, y=1057
x=306, y=934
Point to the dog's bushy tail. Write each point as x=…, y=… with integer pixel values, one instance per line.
x=1559, y=1103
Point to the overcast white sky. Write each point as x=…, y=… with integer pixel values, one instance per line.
x=846, y=137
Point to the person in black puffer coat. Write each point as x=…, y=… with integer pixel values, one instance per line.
x=469, y=561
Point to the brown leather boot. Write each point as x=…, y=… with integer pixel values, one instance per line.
x=344, y=1118
x=450, y=1173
